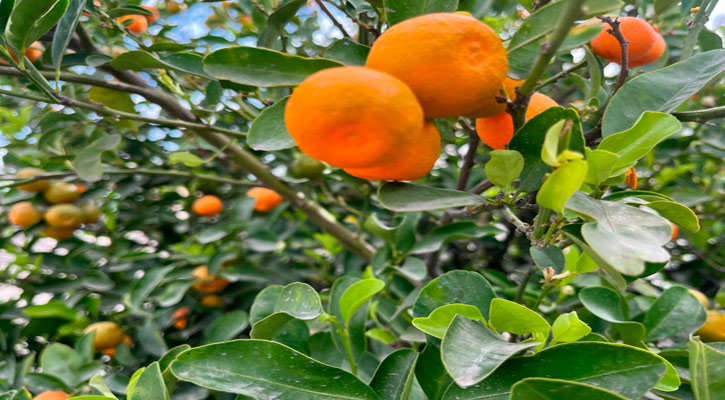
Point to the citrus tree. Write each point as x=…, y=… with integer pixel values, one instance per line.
x=361, y=199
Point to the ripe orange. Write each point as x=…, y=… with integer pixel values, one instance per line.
x=453, y=63
x=23, y=214
x=52, y=395
x=155, y=14
x=675, y=231
x=714, y=328
x=36, y=186
x=33, y=53
x=81, y=188
x=490, y=106
x=497, y=131
x=212, y=301
x=352, y=117
x=267, y=199
x=58, y=233
x=138, y=24
x=207, y=283
x=652, y=55
x=91, y=213
x=64, y=216
x=61, y=192
x=638, y=32
x=207, y=206
x=108, y=334
x=181, y=317
x=414, y=162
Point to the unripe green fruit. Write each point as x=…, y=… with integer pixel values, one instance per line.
x=307, y=167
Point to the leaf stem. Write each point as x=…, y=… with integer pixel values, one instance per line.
x=700, y=115
x=695, y=26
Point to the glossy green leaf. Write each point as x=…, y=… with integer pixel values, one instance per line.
x=65, y=30
x=112, y=98
x=561, y=185
x=263, y=369
x=508, y=316
x=188, y=159
x=626, y=370
x=31, y=19
x=549, y=256
x=358, y=294
x=438, y=321
x=676, y=311
x=625, y=237
x=261, y=67
x=394, y=377
x=680, y=215
x=458, y=286
x=149, y=384
x=600, y=164
x=142, y=288
x=504, y=167
x=556, y=389
x=137, y=60
x=226, y=327
x=400, y=10
x=408, y=197
x=605, y=303
x=430, y=372
x=348, y=52
x=568, y=328
x=151, y=340
x=707, y=370
x=268, y=131
x=661, y=90
x=276, y=22
x=634, y=143
x=550, y=148
x=471, y=352
x=434, y=240
x=382, y=335
x=52, y=309
x=87, y=163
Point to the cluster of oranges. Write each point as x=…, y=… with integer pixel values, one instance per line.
x=206, y=284
x=61, y=217
x=645, y=44
x=139, y=23
x=265, y=200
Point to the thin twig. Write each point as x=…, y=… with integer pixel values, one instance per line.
x=482, y=187
x=701, y=115
x=615, y=31
x=520, y=225
x=468, y=161
x=695, y=26
x=337, y=23
x=561, y=74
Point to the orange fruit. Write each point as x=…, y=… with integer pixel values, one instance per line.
x=138, y=23
x=714, y=328
x=35, y=186
x=638, y=32
x=675, y=231
x=91, y=213
x=212, y=301
x=108, y=334
x=81, y=188
x=497, y=131
x=58, y=233
x=207, y=206
x=61, y=192
x=267, y=199
x=181, y=323
x=352, y=117
x=52, y=395
x=207, y=283
x=415, y=161
x=452, y=62
x=33, y=53
x=24, y=215
x=154, y=14
x=64, y=216
x=652, y=55
x=490, y=106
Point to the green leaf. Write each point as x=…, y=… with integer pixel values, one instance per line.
x=675, y=312
x=394, y=377
x=31, y=19
x=436, y=324
x=623, y=236
x=398, y=196
x=65, y=30
x=276, y=307
x=561, y=185
x=188, y=159
x=262, y=369
x=434, y=240
x=663, y=5
x=626, y=370
x=634, y=143
x=568, y=328
x=261, y=67
x=400, y=10
x=151, y=340
x=454, y=287
x=276, y=22
x=530, y=139
x=87, y=163
x=149, y=384
x=504, y=167
x=508, y=316
x=358, y=294
x=381, y=335
x=680, y=215
x=604, y=303
x=348, y=52
x=600, y=164
x=268, y=131
x=555, y=389
x=142, y=288
x=641, y=194
x=226, y=327
x=661, y=90
x=707, y=369
x=52, y=309
x=112, y=98
x=549, y=256
x=471, y=352
x=99, y=384
x=550, y=149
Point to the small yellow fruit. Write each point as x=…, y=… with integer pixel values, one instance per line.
x=207, y=283
x=108, y=334
x=64, y=216
x=33, y=187
x=91, y=213
x=714, y=328
x=58, y=233
x=61, y=192
x=212, y=301
x=23, y=214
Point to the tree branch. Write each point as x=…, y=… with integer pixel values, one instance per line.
x=624, y=45
x=337, y=23
x=701, y=115
x=468, y=161
x=695, y=26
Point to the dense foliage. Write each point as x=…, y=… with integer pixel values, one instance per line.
x=580, y=262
